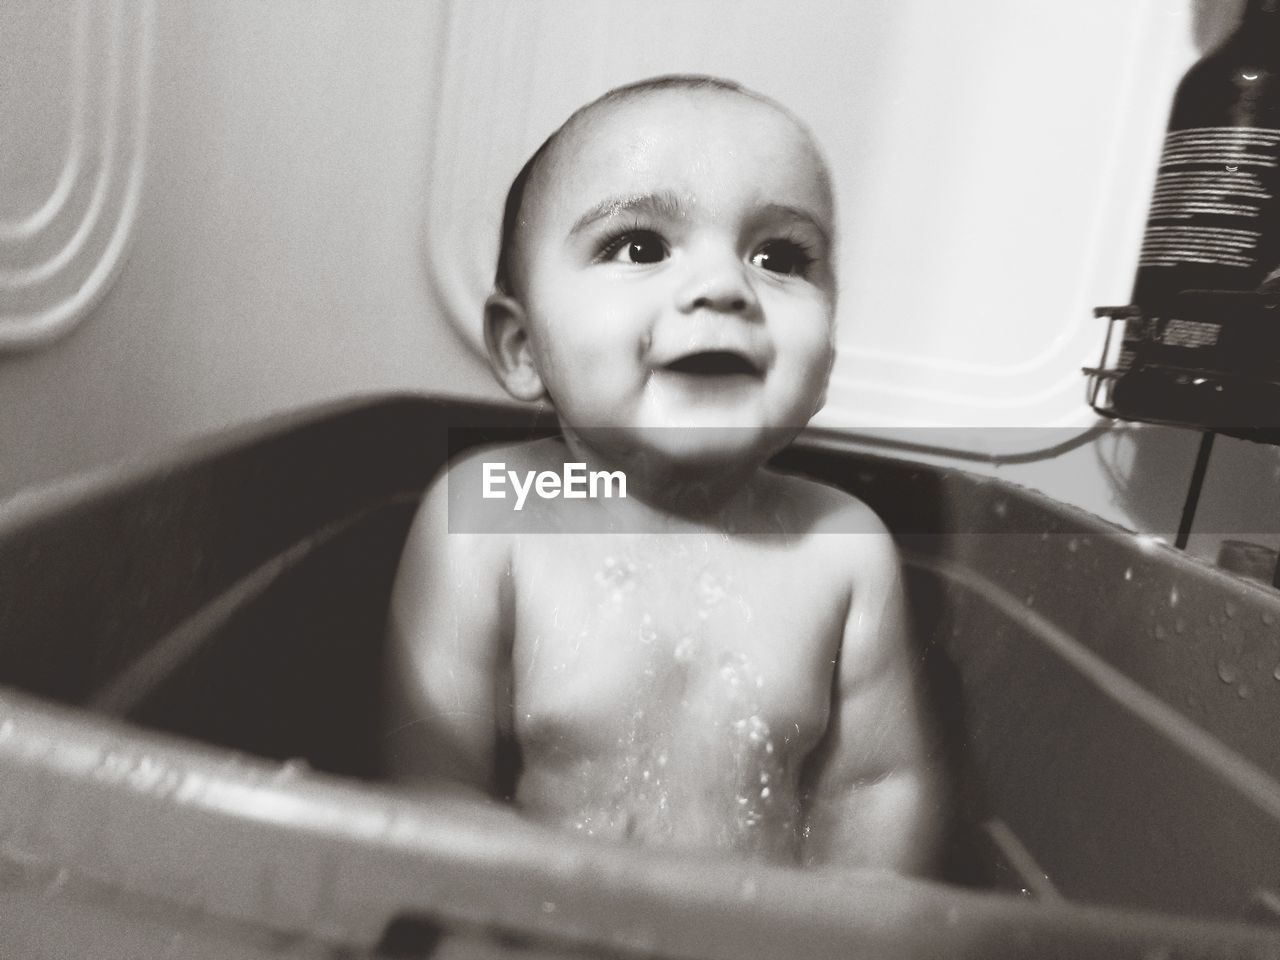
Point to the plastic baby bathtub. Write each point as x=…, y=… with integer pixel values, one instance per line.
x=189, y=653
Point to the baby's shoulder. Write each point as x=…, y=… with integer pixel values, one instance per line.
x=816, y=507
x=454, y=518
x=525, y=455
x=834, y=522
x=471, y=495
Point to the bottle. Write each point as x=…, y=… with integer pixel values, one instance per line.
x=1213, y=225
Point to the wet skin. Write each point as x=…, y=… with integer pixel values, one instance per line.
x=694, y=687
x=736, y=675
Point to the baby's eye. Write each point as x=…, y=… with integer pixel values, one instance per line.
x=636, y=246
x=783, y=256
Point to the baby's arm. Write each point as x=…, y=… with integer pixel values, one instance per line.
x=876, y=795
x=446, y=673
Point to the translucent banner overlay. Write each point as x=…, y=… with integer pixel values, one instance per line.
x=915, y=481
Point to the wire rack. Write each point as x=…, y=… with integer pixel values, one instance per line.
x=1204, y=359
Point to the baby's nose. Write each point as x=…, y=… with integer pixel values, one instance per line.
x=718, y=282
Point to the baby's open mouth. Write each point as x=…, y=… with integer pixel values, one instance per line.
x=714, y=363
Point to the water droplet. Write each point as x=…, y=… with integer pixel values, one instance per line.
x=1268, y=618
x=1001, y=509
x=548, y=906
x=1173, y=596
x=617, y=576
x=1276, y=672
x=1179, y=626
x=1227, y=672
x=1073, y=544
x=1030, y=600
x=1128, y=573
x=1243, y=691
x=711, y=590
x=1229, y=609
x=764, y=793
x=685, y=649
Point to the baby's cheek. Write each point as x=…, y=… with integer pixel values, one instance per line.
x=809, y=339
x=823, y=349
x=819, y=375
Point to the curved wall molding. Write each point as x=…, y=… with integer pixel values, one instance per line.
x=60, y=255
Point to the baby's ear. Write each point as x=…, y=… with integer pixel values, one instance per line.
x=506, y=337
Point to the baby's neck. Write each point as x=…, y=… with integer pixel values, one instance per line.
x=663, y=490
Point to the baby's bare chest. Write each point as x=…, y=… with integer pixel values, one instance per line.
x=624, y=637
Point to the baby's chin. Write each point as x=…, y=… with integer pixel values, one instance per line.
x=717, y=444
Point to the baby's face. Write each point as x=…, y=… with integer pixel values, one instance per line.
x=678, y=261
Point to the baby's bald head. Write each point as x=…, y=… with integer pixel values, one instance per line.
x=546, y=161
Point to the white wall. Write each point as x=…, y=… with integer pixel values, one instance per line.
x=991, y=185
x=277, y=255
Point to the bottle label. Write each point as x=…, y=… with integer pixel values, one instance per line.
x=1213, y=185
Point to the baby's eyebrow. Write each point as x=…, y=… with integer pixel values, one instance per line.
x=784, y=211
x=662, y=204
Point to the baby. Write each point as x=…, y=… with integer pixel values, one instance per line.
x=720, y=660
